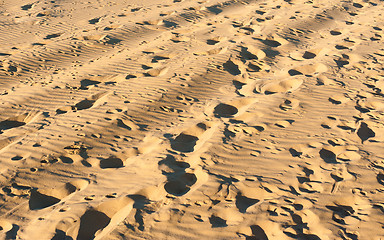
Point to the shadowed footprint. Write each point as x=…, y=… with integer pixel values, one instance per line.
x=365, y=132
x=187, y=140
x=47, y=197
x=90, y=102
x=181, y=185
x=234, y=66
x=185, y=182
x=97, y=222
x=17, y=121
x=273, y=87
x=225, y=110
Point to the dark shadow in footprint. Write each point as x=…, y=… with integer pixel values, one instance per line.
x=214, y=9
x=243, y=203
x=271, y=43
x=112, y=162
x=232, y=68
x=180, y=185
x=85, y=83
x=169, y=24
x=40, y=201
x=53, y=36
x=335, y=32
x=90, y=223
x=217, y=222
x=294, y=72
x=176, y=166
x=184, y=143
x=309, y=55
x=225, y=110
x=380, y=178
x=65, y=159
x=94, y=20
x=328, y=156
x=61, y=235
x=365, y=132
x=26, y=7
x=8, y=124
x=84, y=104
x=258, y=233
x=12, y=234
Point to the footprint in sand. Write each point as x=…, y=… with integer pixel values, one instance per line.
x=17, y=121
x=91, y=101
x=265, y=230
x=184, y=182
x=272, y=87
x=5, y=226
x=284, y=123
x=339, y=99
x=215, y=40
x=289, y=103
x=233, y=108
x=250, y=52
x=187, y=140
x=364, y=132
x=234, y=66
x=308, y=70
x=126, y=157
x=98, y=221
x=274, y=41
x=157, y=72
x=66, y=229
x=42, y=198
x=213, y=51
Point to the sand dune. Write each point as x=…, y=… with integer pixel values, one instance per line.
x=183, y=119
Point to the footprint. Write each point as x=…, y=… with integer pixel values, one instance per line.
x=289, y=103
x=126, y=157
x=251, y=52
x=215, y=40
x=335, y=32
x=265, y=230
x=330, y=122
x=282, y=86
x=5, y=226
x=308, y=70
x=338, y=99
x=47, y=197
x=180, y=38
x=120, y=160
x=98, y=221
x=91, y=101
x=274, y=41
x=17, y=121
x=370, y=105
x=67, y=228
x=54, y=35
x=284, y=123
x=234, y=66
x=187, y=140
x=232, y=108
x=365, y=132
x=213, y=51
x=181, y=184
x=157, y=72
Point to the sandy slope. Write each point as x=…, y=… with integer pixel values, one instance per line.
x=190, y=119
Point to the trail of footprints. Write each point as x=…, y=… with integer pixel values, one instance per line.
x=183, y=167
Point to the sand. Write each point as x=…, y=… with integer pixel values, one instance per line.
x=183, y=119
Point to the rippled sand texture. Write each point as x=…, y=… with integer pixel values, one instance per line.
x=182, y=119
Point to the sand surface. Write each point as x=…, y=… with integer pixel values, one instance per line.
x=182, y=119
